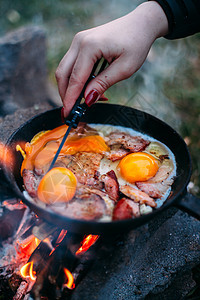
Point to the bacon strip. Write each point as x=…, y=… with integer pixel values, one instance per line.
x=126, y=209
x=31, y=182
x=157, y=186
x=155, y=190
x=83, y=130
x=132, y=143
x=137, y=195
x=111, y=185
x=116, y=152
x=87, y=207
x=85, y=167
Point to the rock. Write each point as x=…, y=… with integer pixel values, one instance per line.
x=156, y=265
x=10, y=123
x=23, y=70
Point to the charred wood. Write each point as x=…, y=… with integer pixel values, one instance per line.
x=9, y=223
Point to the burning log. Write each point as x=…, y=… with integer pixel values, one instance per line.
x=50, y=276
x=37, y=268
x=21, y=291
x=40, y=256
x=74, y=277
x=44, y=230
x=85, y=261
x=54, y=276
x=40, y=282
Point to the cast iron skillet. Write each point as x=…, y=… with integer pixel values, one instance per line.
x=116, y=115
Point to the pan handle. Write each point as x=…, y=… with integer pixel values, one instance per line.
x=190, y=204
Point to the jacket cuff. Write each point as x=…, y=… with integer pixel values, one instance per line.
x=183, y=17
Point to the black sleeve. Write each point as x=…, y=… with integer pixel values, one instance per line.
x=183, y=17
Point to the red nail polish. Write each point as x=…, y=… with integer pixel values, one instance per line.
x=92, y=97
x=62, y=115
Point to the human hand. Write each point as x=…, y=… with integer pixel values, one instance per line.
x=124, y=43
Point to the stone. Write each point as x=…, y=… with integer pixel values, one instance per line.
x=10, y=123
x=156, y=265
x=23, y=70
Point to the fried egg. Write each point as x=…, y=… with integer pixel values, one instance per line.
x=138, y=166
x=153, y=157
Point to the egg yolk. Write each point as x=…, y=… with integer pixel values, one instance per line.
x=42, y=148
x=58, y=185
x=138, y=166
x=93, y=143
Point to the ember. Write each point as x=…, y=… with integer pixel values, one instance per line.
x=61, y=236
x=28, y=245
x=87, y=243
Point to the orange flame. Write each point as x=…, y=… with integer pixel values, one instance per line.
x=27, y=271
x=37, y=241
x=87, y=243
x=70, y=283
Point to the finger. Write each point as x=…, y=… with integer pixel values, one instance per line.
x=79, y=75
x=118, y=70
x=63, y=72
x=66, y=65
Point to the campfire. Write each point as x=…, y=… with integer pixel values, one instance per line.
x=41, y=256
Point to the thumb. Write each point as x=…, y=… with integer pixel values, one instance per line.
x=115, y=72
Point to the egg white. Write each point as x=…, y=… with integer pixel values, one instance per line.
x=155, y=148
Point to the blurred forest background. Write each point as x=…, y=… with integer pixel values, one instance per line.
x=168, y=84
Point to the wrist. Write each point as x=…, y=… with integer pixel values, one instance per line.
x=154, y=17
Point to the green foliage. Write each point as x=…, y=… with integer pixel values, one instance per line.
x=184, y=91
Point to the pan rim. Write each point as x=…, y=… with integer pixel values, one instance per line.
x=166, y=204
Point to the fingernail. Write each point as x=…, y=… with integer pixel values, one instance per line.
x=62, y=115
x=92, y=97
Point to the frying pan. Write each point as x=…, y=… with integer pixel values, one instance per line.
x=115, y=115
